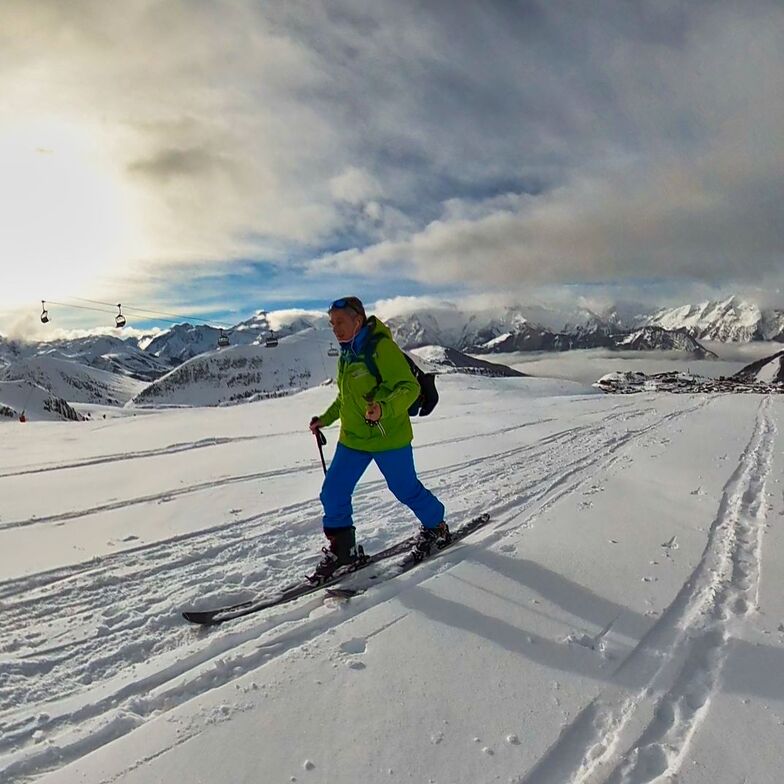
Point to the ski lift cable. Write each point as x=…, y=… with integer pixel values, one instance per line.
x=128, y=309
x=157, y=313
x=81, y=307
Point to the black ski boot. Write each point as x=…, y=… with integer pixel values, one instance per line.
x=429, y=539
x=342, y=551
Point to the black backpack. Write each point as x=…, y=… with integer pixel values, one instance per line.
x=428, y=394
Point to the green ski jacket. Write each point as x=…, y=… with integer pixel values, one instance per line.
x=357, y=386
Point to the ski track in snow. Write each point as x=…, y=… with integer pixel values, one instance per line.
x=117, y=651
x=638, y=729
x=168, y=495
x=172, y=449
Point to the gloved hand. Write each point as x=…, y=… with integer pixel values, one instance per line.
x=373, y=412
x=315, y=424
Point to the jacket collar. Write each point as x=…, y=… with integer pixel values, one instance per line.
x=354, y=346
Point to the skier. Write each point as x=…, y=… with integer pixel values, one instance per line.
x=375, y=390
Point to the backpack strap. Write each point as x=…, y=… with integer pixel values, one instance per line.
x=367, y=356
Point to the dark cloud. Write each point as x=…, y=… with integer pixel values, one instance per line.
x=172, y=163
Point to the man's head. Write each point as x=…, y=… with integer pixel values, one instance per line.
x=347, y=317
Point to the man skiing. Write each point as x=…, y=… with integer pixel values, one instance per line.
x=375, y=390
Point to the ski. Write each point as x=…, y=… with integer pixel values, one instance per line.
x=305, y=587
x=363, y=583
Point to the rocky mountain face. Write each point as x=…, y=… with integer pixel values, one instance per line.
x=657, y=338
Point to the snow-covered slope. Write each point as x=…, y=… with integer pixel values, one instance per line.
x=23, y=398
x=241, y=373
x=618, y=621
x=769, y=370
x=72, y=381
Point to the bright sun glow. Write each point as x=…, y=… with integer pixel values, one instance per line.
x=61, y=219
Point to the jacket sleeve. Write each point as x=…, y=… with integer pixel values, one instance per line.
x=332, y=413
x=398, y=388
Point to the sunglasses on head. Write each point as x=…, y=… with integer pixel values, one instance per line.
x=344, y=303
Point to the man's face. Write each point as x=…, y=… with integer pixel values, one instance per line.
x=345, y=324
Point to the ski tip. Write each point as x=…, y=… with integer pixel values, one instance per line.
x=203, y=618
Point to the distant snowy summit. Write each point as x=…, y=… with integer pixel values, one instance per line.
x=727, y=321
x=764, y=376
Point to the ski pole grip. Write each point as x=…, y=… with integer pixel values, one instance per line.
x=321, y=439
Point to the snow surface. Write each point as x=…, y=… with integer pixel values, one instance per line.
x=620, y=620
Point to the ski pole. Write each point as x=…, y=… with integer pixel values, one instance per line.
x=321, y=439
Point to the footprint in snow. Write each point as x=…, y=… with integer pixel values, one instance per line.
x=355, y=645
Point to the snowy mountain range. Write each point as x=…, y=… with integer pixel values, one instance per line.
x=728, y=321
x=102, y=352
x=108, y=369
x=513, y=331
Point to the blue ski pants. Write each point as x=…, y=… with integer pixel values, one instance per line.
x=397, y=466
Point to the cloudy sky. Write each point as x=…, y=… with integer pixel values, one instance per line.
x=213, y=158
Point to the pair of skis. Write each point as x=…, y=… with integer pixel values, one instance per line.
x=305, y=587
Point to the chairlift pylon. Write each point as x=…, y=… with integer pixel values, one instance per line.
x=44, y=313
x=223, y=339
x=119, y=319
